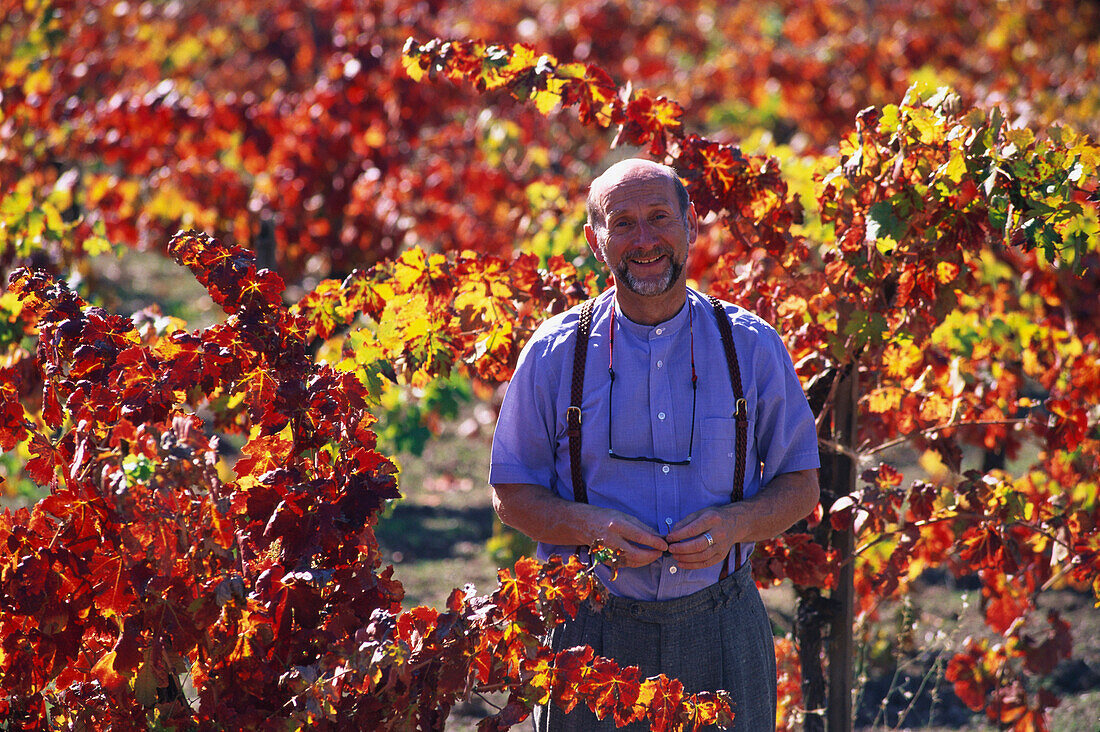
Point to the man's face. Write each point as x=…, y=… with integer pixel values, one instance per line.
x=645, y=237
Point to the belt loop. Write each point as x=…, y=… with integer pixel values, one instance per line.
x=738, y=584
x=728, y=594
x=718, y=596
x=730, y=589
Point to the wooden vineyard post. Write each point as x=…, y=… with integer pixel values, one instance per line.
x=841, y=648
x=823, y=623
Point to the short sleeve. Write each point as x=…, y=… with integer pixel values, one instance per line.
x=786, y=434
x=524, y=439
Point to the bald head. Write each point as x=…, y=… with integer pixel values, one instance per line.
x=625, y=170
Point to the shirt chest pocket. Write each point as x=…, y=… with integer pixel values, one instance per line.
x=717, y=463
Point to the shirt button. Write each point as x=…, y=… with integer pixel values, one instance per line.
x=660, y=415
x=660, y=364
x=660, y=331
x=664, y=468
x=672, y=569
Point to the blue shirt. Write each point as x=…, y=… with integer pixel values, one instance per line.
x=652, y=417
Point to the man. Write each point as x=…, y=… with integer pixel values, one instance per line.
x=657, y=455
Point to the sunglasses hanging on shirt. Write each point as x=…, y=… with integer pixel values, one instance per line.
x=611, y=398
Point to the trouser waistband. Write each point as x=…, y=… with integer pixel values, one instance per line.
x=673, y=611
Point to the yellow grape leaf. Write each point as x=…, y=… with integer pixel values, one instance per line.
x=763, y=203
x=408, y=326
x=496, y=71
x=548, y=98
x=368, y=297
x=885, y=399
x=53, y=218
x=437, y=267
x=929, y=131
x=360, y=347
x=36, y=226
x=946, y=272
x=793, y=306
x=886, y=245
x=542, y=676
x=524, y=58
x=935, y=408
x=38, y=82
x=497, y=276
x=933, y=465
x=574, y=70
x=496, y=342
x=415, y=270
x=479, y=293
x=10, y=306
x=648, y=691
x=899, y=359
x=185, y=52
x=409, y=268
x=955, y=168
x=412, y=63
x=667, y=112
x=473, y=297
x=95, y=245
x=99, y=186
x=1032, y=365
x=1021, y=137
x=417, y=326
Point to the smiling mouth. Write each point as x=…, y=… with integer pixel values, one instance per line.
x=650, y=260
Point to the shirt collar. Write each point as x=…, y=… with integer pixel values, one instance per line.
x=638, y=330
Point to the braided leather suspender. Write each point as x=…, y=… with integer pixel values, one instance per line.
x=573, y=413
x=741, y=412
x=741, y=407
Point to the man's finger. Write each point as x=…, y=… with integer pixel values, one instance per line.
x=650, y=541
x=641, y=535
x=639, y=557
x=690, y=547
x=696, y=553
x=689, y=528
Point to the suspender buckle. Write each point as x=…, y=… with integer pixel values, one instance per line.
x=573, y=420
x=741, y=410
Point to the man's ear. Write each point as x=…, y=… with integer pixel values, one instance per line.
x=593, y=242
x=692, y=224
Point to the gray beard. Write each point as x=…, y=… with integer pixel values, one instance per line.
x=649, y=288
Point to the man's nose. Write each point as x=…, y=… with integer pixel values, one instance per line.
x=644, y=233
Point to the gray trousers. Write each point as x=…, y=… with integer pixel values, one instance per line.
x=717, y=638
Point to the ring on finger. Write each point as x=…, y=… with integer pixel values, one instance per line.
x=709, y=538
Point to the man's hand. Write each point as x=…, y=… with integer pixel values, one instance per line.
x=620, y=531
x=786, y=499
x=688, y=542
x=544, y=516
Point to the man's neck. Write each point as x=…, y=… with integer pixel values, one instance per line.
x=651, y=309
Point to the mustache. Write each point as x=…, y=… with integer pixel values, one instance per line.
x=651, y=253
